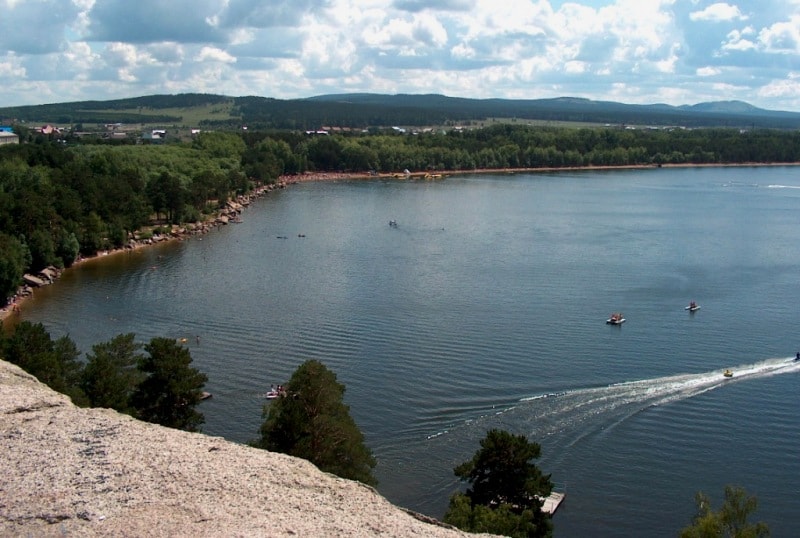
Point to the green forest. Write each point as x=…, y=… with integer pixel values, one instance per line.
x=376, y=111
x=68, y=197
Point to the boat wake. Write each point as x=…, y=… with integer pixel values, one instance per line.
x=578, y=412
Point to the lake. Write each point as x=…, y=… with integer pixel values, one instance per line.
x=485, y=307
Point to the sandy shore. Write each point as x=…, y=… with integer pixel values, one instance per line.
x=348, y=176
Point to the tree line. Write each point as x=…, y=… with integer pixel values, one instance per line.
x=60, y=199
x=154, y=382
x=58, y=202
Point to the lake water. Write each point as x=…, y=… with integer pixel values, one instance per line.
x=485, y=307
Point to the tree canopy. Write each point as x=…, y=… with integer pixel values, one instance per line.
x=159, y=386
x=53, y=362
x=110, y=377
x=506, y=489
x=172, y=388
x=311, y=422
x=731, y=519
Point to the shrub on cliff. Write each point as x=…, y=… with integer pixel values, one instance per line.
x=506, y=489
x=310, y=421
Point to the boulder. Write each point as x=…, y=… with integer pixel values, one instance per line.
x=33, y=280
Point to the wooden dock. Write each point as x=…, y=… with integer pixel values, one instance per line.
x=552, y=502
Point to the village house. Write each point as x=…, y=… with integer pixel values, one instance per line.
x=8, y=136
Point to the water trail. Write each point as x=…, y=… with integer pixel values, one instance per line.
x=565, y=411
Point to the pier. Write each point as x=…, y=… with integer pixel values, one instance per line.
x=552, y=502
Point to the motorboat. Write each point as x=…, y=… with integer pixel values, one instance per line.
x=616, y=319
x=693, y=307
x=727, y=373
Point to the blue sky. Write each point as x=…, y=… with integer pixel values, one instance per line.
x=631, y=51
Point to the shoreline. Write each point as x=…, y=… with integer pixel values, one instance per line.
x=308, y=177
x=222, y=217
x=234, y=207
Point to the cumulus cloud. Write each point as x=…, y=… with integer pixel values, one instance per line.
x=708, y=71
x=434, y=5
x=261, y=14
x=214, y=54
x=153, y=21
x=629, y=50
x=718, y=12
x=36, y=27
x=11, y=68
x=739, y=40
x=782, y=37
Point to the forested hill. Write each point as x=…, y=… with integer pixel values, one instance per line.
x=360, y=111
x=716, y=114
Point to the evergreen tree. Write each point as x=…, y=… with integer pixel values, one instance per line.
x=311, y=422
x=14, y=260
x=730, y=521
x=172, y=388
x=110, y=376
x=54, y=363
x=507, y=489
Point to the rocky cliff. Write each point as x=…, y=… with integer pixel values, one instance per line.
x=68, y=471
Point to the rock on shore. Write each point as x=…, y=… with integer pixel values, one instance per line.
x=95, y=472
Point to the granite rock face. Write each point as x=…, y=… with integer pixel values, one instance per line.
x=68, y=471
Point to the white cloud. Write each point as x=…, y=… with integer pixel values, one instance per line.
x=631, y=50
x=736, y=40
x=782, y=37
x=718, y=12
x=574, y=67
x=463, y=51
x=708, y=71
x=10, y=67
x=214, y=54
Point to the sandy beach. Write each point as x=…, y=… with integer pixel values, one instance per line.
x=440, y=174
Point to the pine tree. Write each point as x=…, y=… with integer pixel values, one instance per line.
x=311, y=422
x=506, y=489
x=110, y=375
x=730, y=521
x=172, y=388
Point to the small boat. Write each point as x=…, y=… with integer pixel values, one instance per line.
x=693, y=307
x=616, y=319
x=271, y=395
x=205, y=395
x=727, y=373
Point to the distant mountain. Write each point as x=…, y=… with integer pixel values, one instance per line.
x=367, y=110
x=728, y=107
x=713, y=114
